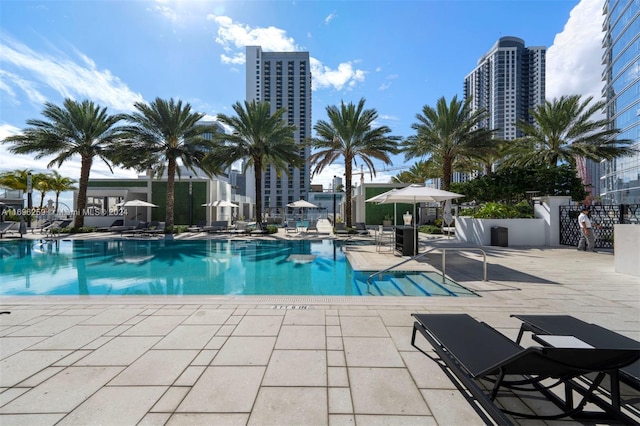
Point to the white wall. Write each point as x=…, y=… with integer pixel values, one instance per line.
x=626, y=246
x=522, y=232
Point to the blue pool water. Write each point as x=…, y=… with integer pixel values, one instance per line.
x=208, y=267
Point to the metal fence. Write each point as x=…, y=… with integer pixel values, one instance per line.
x=603, y=217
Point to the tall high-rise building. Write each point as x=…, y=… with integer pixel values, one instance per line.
x=620, y=178
x=284, y=80
x=508, y=82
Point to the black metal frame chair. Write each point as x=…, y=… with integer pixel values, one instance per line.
x=474, y=352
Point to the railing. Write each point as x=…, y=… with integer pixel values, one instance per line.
x=444, y=266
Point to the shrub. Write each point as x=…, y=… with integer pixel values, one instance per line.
x=272, y=229
x=430, y=229
x=496, y=211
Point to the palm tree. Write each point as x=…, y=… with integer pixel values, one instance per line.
x=159, y=135
x=60, y=184
x=564, y=129
x=350, y=134
x=260, y=137
x=16, y=180
x=420, y=172
x=76, y=128
x=42, y=184
x=449, y=133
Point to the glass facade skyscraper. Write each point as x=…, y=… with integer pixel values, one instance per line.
x=620, y=178
x=508, y=81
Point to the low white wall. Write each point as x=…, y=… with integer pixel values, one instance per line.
x=522, y=232
x=626, y=248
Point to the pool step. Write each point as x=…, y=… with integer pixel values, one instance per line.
x=411, y=284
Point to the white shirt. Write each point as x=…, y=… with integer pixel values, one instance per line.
x=583, y=218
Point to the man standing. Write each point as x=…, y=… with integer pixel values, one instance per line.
x=586, y=231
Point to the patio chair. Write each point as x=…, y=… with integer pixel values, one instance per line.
x=141, y=226
x=476, y=354
x=217, y=226
x=290, y=226
x=159, y=228
x=312, y=226
x=261, y=229
x=594, y=335
x=56, y=225
x=9, y=228
x=340, y=229
x=199, y=227
x=116, y=225
x=361, y=228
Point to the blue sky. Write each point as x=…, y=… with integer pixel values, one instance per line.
x=399, y=55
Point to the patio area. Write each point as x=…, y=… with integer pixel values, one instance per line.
x=284, y=360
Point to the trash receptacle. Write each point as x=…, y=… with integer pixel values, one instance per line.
x=500, y=236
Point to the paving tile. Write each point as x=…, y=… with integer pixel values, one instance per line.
x=170, y=400
x=388, y=391
x=301, y=337
x=62, y=392
x=342, y=420
x=208, y=419
x=401, y=337
x=71, y=358
x=337, y=376
x=441, y=400
x=224, y=390
x=100, y=341
x=290, y=406
x=30, y=419
x=396, y=318
x=245, y=351
x=155, y=368
x=340, y=401
x=40, y=377
x=425, y=372
x=22, y=365
x=187, y=337
x=334, y=344
x=12, y=345
x=334, y=330
x=258, y=326
x=204, y=357
x=399, y=420
x=226, y=330
x=51, y=326
x=154, y=326
x=209, y=316
x=216, y=342
x=332, y=320
x=306, y=317
x=363, y=327
x=9, y=395
x=189, y=376
x=336, y=359
x=154, y=419
x=73, y=338
x=126, y=404
x=296, y=368
x=21, y=316
x=119, y=351
x=112, y=317
x=371, y=352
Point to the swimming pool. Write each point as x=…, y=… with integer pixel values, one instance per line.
x=206, y=267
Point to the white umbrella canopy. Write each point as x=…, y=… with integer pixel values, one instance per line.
x=303, y=204
x=135, y=203
x=418, y=194
x=220, y=203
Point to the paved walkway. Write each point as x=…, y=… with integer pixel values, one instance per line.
x=282, y=360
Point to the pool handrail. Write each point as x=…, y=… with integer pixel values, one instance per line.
x=444, y=252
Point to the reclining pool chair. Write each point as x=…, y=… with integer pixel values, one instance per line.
x=474, y=351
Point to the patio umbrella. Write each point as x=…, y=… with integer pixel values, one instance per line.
x=135, y=203
x=418, y=194
x=219, y=203
x=447, y=217
x=302, y=204
x=380, y=198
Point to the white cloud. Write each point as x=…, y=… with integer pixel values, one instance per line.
x=234, y=36
x=574, y=61
x=325, y=77
x=329, y=18
x=40, y=70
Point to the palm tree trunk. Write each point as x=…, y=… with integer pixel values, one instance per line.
x=348, y=169
x=171, y=183
x=257, y=169
x=42, y=194
x=85, y=169
x=57, y=201
x=446, y=173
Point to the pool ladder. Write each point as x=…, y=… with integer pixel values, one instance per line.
x=444, y=260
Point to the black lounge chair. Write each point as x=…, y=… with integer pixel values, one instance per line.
x=117, y=225
x=138, y=229
x=592, y=334
x=478, y=354
x=340, y=228
x=361, y=228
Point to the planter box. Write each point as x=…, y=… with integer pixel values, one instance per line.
x=522, y=232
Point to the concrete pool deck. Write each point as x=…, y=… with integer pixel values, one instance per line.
x=283, y=360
